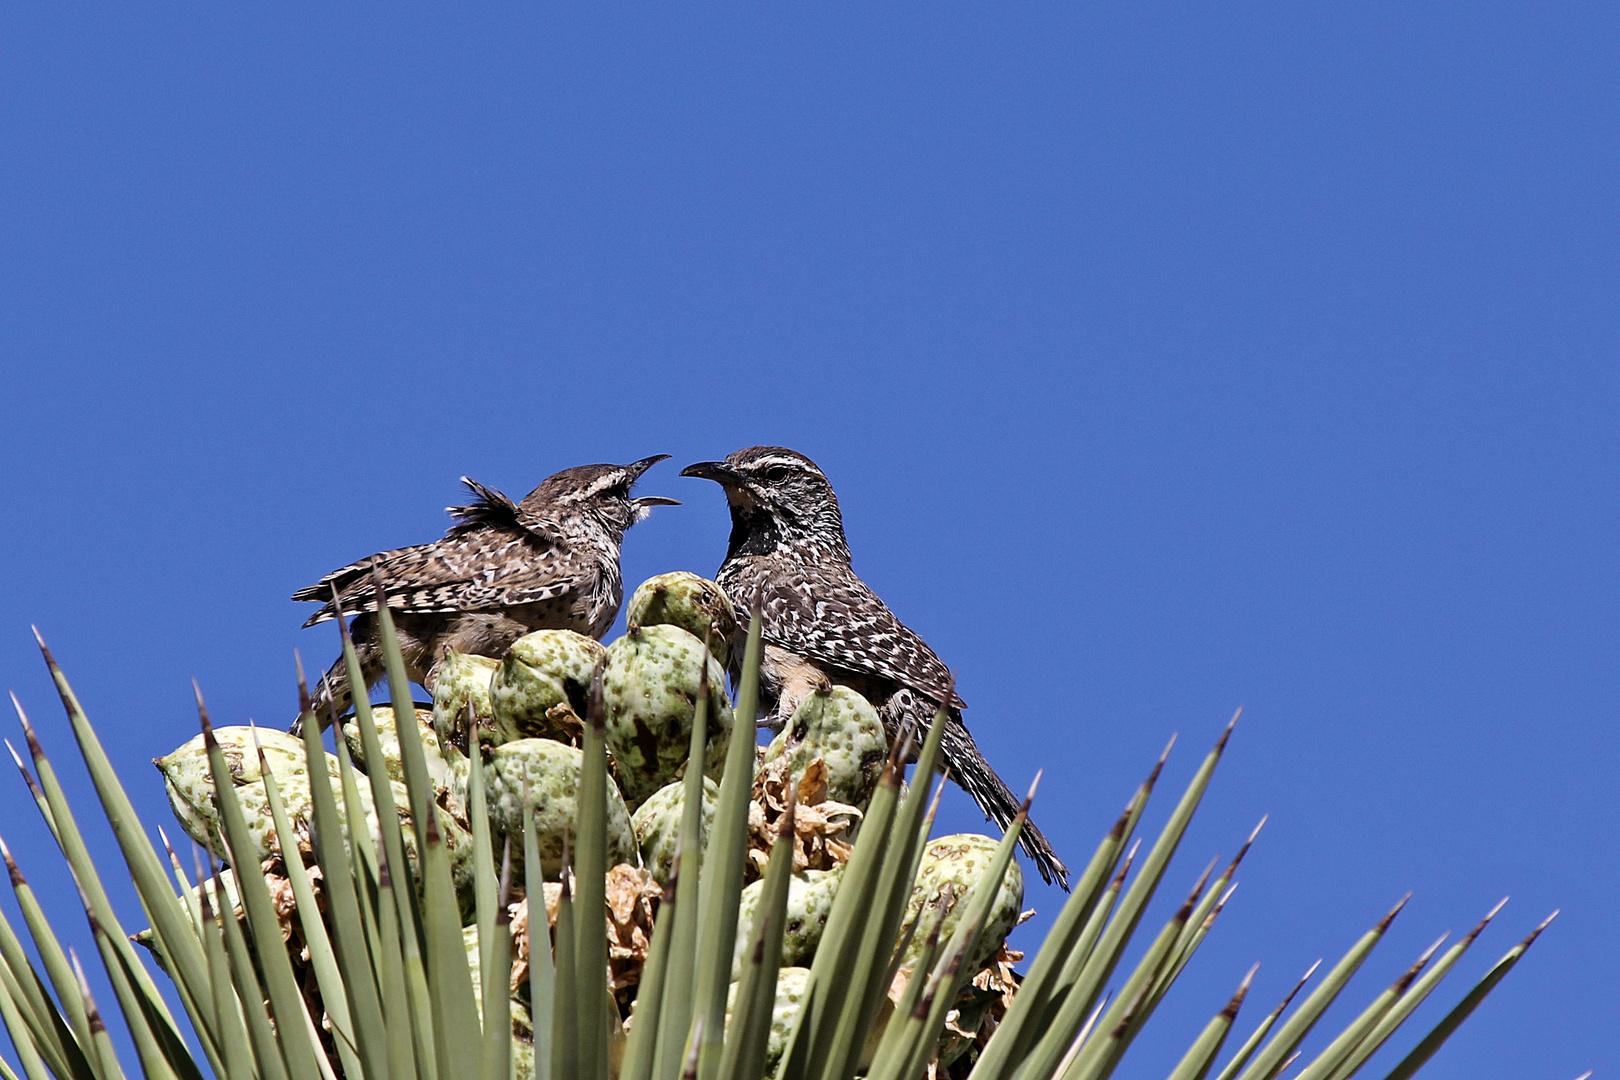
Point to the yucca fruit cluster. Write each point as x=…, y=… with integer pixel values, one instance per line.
x=579, y=863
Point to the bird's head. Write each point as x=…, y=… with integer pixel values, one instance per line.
x=779, y=498
x=600, y=493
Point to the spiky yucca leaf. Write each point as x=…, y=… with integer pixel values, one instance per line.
x=722, y=876
x=386, y=955
x=350, y=933
x=590, y=895
x=565, y=1015
x=675, y=1020
x=749, y=1029
x=311, y=923
x=542, y=979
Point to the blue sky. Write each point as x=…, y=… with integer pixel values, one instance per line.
x=1165, y=359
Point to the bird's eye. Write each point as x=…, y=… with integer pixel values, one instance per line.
x=776, y=474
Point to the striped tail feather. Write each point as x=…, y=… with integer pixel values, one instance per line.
x=974, y=775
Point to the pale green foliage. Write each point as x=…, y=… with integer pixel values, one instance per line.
x=408, y=940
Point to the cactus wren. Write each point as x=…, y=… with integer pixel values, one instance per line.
x=505, y=568
x=821, y=622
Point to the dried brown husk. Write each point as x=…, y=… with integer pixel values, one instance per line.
x=823, y=827
x=632, y=897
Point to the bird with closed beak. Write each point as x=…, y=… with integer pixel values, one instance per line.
x=547, y=562
x=821, y=623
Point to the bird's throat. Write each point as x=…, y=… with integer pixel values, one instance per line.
x=753, y=531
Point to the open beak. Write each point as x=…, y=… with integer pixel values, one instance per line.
x=718, y=471
x=643, y=504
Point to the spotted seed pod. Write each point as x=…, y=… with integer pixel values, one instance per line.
x=657, y=823
x=457, y=840
x=190, y=786
x=837, y=725
x=809, y=902
x=552, y=774
x=696, y=605
x=458, y=679
x=522, y=1026
x=791, y=983
x=649, y=693
x=447, y=773
x=959, y=862
x=539, y=687
x=446, y=766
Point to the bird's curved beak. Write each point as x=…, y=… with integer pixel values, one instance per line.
x=636, y=468
x=642, y=505
x=718, y=471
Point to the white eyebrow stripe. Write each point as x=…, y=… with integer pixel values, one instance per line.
x=777, y=459
x=594, y=488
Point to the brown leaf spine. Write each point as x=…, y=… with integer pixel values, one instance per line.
x=1394, y=911
x=1232, y=1007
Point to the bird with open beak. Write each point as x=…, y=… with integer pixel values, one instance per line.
x=505, y=568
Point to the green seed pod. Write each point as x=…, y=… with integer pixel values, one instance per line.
x=458, y=679
x=191, y=900
x=649, y=692
x=458, y=844
x=227, y=880
x=696, y=605
x=522, y=1026
x=447, y=772
x=791, y=983
x=657, y=823
x=191, y=791
x=552, y=772
x=538, y=690
x=838, y=726
x=810, y=899
x=190, y=785
x=446, y=767
x=960, y=861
